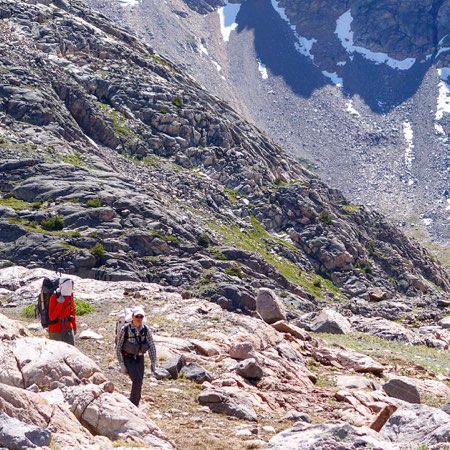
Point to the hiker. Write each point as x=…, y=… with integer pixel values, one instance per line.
x=133, y=341
x=61, y=312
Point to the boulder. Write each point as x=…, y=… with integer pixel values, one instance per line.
x=9, y=329
x=206, y=348
x=422, y=388
x=330, y=321
x=17, y=435
x=174, y=365
x=195, y=372
x=162, y=374
x=329, y=437
x=445, y=322
x=414, y=425
x=109, y=414
x=269, y=306
x=228, y=403
x=249, y=369
x=40, y=361
x=403, y=389
x=242, y=350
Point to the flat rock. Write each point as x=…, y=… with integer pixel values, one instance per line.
x=196, y=373
x=348, y=360
x=242, y=350
x=228, y=403
x=285, y=327
x=89, y=334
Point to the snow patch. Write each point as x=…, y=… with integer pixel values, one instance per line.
x=130, y=3
x=203, y=49
x=262, y=70
x=227, y=15
x=409, y=137
x=351, y=109
x=427, y=221
x=333, y=76
x=345, y=35
x=443, y=101
x=217, y=65
x=304, y=45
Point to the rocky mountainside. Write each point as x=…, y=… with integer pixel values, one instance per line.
x=117, y=166
x=225, y=381
x=357, y=89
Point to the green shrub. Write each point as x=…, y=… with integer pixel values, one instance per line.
x=94, y=203
x=234, y=271
x=177, y=101
x=82, y=307
x=204, y=240
x=28, y=312
x=325, y=217
x=98, y=250
x=54, y=223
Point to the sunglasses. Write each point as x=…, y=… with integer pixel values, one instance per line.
x=139, y=316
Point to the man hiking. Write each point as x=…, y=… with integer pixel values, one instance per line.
x=61, y=312
x=134, y=340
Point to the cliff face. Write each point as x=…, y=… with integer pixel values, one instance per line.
x=117, y=165
x=409, y=29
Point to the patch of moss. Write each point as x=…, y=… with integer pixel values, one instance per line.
x=325, y=217
x=172, y=239
x=258, y=240
x=28, y=311
x=74, y=159
x=118, y=119
x=234, y=271
x=19, y=205
x=94, y=203
x=231, y=194
x=351, y=209
x=177, y=101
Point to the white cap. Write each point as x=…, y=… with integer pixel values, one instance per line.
x=138, y=310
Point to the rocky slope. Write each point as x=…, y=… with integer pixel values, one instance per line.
x=116, y=165
x=357, y=89
x=229, y=381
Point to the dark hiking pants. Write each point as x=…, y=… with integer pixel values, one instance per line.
x=135, y=367
x=63, y=336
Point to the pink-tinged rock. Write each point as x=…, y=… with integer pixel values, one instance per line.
x=114, y=416
x=361, y=408
x=28, y=361
x=9, y=329
x=347, y=360
x=285, y=327
x=174, y=344
x=329, y=436
x=206, y=348
x=242, y=350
